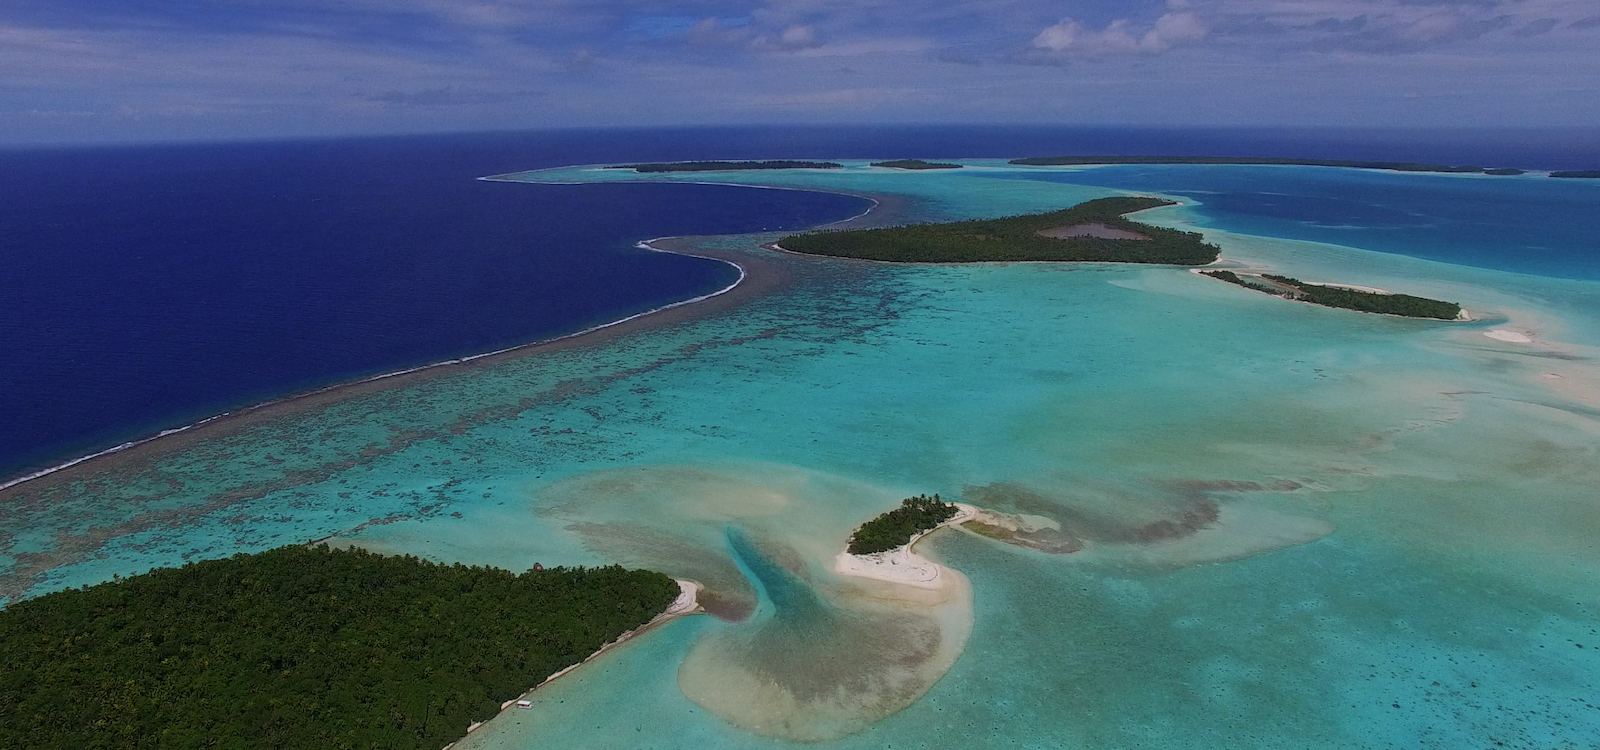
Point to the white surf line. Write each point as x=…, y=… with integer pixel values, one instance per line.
x=646, y=244
x=443, y=363
x=668, y=181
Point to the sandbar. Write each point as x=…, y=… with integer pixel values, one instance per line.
x=1509, y=336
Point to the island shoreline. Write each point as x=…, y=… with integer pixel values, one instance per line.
x=885, y=566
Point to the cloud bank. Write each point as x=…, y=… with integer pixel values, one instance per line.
x=1072, y=38
x=140, y=69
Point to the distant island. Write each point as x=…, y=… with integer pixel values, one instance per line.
x=302, y=647
x=1395, y=166
x=915, y=164
x=897, y=527
x=1064, y=161
x=727, y=166
x=1348, y=298
x=1094, y=231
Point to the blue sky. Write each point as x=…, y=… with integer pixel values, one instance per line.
x=140, y=69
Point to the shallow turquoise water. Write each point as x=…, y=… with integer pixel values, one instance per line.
x=1301, y=527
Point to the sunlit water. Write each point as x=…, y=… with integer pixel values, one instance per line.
x=1290, y=526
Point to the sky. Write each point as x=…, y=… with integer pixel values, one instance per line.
x=112, y=70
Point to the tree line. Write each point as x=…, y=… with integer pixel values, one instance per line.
x=301, y=647
x=1017, y=238
x=895, y=528
x=727, y=166
x=915, y=164
x=1348, y=299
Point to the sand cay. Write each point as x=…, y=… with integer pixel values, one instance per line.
x=902, y=564
x=1509, y=336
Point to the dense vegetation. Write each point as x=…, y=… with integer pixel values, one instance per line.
x=1504, y=172
x=301, y=648
x=1230, y=277
x=727, y=166
x=1580, y=173
x=1016, y=238
x=1349, y=299
x=1397, y=166
x=915, y=164
x=895, y=528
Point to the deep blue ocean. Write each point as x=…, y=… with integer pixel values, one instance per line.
x=147, y=287
x=1528, y=224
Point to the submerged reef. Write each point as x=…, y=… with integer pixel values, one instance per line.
x=1172, y=525
x=815, y=666
x=799, y=653
x=1393, y=166
x=727, y=166
x=1123, y=428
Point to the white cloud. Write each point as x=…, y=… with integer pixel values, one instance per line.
x=796, y=37
x=376, y=65
x=869, y=47
x=1174, y=29
x=846, y=99
x=716, y=32
x=1073, y=38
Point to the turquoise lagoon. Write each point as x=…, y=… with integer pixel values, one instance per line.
x=1298, y=527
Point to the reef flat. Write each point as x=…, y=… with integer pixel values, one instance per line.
x=1393, y=166
x=726, y=166
x=1234, y=523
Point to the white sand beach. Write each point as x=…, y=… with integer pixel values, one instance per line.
x=902, y=565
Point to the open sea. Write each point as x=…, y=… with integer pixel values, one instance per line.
x=1289, y=526
x=150, y=287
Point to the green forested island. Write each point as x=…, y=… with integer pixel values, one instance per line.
x=301, y=648
x=915, y=164
x=1396, y=166
x=895, y=528
x=1341, y=297
x=1578, y=174
x=1092, y=231
x=727, y=166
